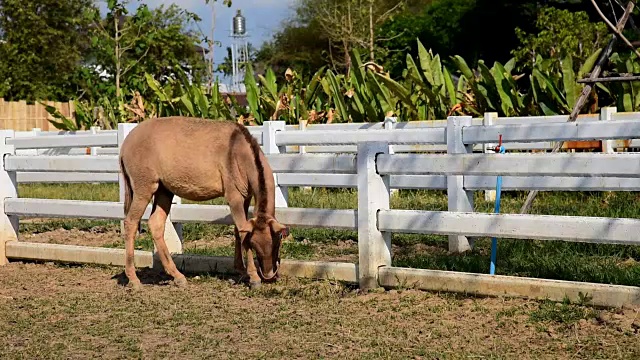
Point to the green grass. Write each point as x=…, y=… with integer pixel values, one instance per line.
x=615, y=264
x=561, y=313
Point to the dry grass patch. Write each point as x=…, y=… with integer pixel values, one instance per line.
x=55, y=312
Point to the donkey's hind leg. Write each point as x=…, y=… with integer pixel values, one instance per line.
x=161, y=207
x=131, y=224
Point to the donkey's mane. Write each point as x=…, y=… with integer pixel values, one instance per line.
x=260, y=210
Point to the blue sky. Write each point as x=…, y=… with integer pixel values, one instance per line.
x=263, y=17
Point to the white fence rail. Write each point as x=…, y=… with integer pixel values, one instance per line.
x=104, y=142
x=375, y=170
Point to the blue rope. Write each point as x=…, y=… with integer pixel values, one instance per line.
x=494, y=241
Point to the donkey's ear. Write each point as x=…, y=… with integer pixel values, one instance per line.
x=278, y=228
x=248, y=226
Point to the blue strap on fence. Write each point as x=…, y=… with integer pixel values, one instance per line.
x=494, y=241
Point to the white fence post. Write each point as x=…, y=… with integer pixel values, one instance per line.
x=302, y=126
x=94, y=149
x=174, y=229
x=488, y=148
x=374, y=246
x=459, y=199
x=606, y=114
x=390, y=124
x=269, y=130
x=36, y=132
x=8, y=189
x=172, y=233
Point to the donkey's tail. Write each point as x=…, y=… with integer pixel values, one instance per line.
x=128, y=193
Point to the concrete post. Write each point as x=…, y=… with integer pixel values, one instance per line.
x=94, y=149
x=34, y=132
x=172, y=233
x=390, y=124
x=460, y=200
x=488, y=148
x=374, y=246
x=269, y=130
x=174, y=227
x=302, y=126
x=606, y=114
x=8, y=189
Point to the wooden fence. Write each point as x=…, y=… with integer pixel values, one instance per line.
x=374, y=170
x=20, y=116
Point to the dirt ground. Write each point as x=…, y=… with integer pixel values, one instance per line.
x=99, y=236
x=52, y=311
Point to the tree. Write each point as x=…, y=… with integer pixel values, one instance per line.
x=152, y=41
x=43, y=44
x=350, y=24
x=210, y=40
x=298, y=46
x=119, y=34
x=560, y=33
x=435, y=24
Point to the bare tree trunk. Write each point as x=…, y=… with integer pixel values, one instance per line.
x=371, y=33
x=347, y=57
x=333, y=63
x=211, y=45
x=117, y=53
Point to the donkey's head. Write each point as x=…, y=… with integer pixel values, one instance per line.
x=264, y=234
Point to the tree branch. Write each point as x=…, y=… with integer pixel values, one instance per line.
x=382, y=17
x=595, y=73
x=126, y=69
x=391, y=38
x=614, y=29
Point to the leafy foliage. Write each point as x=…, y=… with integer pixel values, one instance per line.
x=148, y=41
x=43, y=44
x=320, y=68
x=626, y=94
x=559, y=34
x=181, y=97
x=436, y=24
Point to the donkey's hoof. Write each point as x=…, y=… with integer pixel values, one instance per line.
x=134, y=285
x=255, y=285
x=180, y=282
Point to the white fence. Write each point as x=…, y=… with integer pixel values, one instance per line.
x=374, y=170
x=294, y=139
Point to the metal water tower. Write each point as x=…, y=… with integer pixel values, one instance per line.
x=239, y=49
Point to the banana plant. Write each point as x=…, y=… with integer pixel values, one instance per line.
x=368, y=100
x=427, y=91
x=291, y=101
x=557, y=92
x=180, y=97
x=492, y=89
x=626, y=94
x=81, y=120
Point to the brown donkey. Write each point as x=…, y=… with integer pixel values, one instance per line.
x=198, y=159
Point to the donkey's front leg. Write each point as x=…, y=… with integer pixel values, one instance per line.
x=239, y=207
x=254, y=280
x=238, y=262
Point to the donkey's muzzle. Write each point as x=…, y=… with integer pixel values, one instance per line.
x=272, y=276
